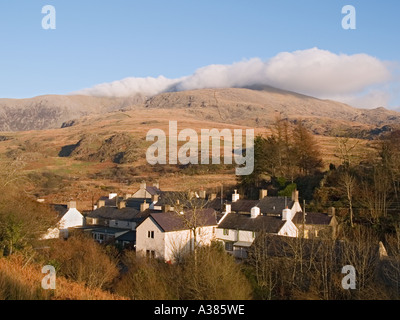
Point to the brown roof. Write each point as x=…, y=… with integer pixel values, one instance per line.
x=314, y=218
x=238, y=221
x=112, y=213
x=172, y=221
x=243, y=205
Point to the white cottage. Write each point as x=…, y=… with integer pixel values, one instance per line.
x=168, y=235
x=237, y=230
x=69, y=217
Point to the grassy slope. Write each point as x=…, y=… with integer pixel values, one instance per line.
x=41, y=150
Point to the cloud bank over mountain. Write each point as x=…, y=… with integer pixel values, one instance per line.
x=359, y=79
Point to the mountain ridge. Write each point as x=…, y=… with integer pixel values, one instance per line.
x=252, y=106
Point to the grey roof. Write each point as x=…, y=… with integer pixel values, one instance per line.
x=60, y=209
x=243, y=205
x=136, y=202
x=274, y=205
x=153, y=190
x=239, y=221
x=127, y=236
x=112, y=213
x=111, y=202
x=172, y=221
x=268, y=205
x=313, y=218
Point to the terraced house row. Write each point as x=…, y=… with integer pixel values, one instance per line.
x=166, y=224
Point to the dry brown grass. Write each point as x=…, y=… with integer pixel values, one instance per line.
x=138, y=122
x=22, y=281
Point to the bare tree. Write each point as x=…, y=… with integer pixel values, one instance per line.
x=189, y=208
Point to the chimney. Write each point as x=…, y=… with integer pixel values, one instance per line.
x=228, y=208
x=166, y=208
x=286, y=214
x=101, y=204
x=295, y=196
x=142, y=185
x=263, y=193
x=144, y=206
x=122, y=204
x=213, y=196
x=71, y=205
x=255, y=212
x=154, y=198
x=202, y=194
x=331, y=211
x=235, y=196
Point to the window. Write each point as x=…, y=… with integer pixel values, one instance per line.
x=229, y=246
x=150, y=234
x=226, y=232
x=150, y=254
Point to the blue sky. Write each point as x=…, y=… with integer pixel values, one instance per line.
x=104, y=41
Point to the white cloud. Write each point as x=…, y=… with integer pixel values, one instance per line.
x=314, y=72
x=320, y=72
x=131, y=86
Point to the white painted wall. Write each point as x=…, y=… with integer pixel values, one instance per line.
x=73, y=218
x=143, y=242
x=289, y=229
x=121, y=224
x=167, y=245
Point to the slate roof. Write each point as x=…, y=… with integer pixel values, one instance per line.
x=112, y=213
x=153, y=190
x=127, y=236
x=171, y=221
x=274, y=205
x=60, y=209
x=313, y=218
x=111, y=202
x=238, y=221
x=243, y=205
x=136, y=202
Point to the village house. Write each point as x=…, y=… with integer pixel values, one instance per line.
x=69, y=217
x=243, y=220
x=115, y=223
x=317, y=225
x=146, y=192
x=168, y=235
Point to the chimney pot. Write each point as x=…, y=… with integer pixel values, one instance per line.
x=263, y=193
x=235, y=196
x=255, y=212
x=295, y=196
x=331, y=211
x=122, y=204
x=101, y=204
x=71, y=205
x=144, y=206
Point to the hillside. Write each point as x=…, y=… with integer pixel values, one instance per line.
x=254, y=107
x=260, y=107
x=52, y=111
